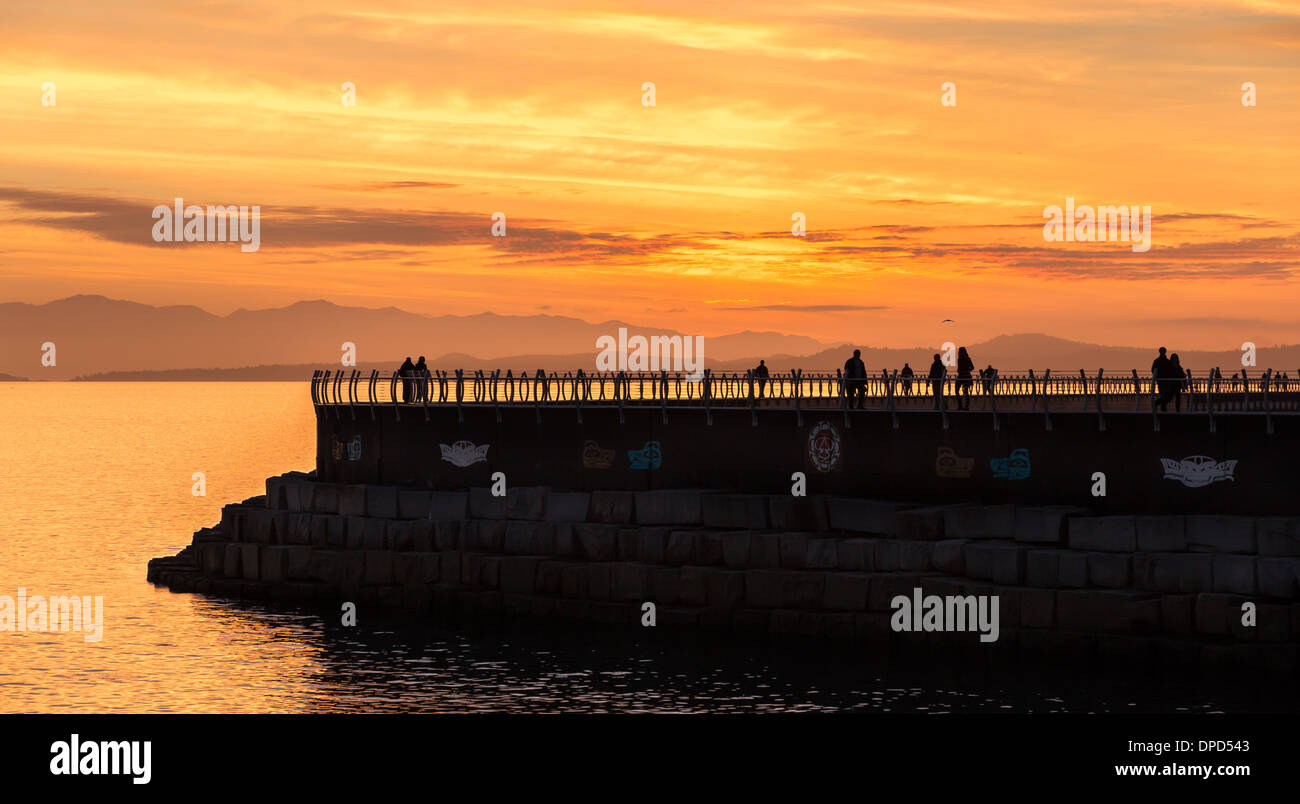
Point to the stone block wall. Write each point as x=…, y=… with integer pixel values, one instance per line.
x=1068, y=583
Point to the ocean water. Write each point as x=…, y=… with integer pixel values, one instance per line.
x=97, y=478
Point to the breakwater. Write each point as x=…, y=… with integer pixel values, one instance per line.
x=1199, y=590
x=1240, y=463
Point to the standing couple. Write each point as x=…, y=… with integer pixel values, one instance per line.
x=415, y=380
x=938, y=371
x=1168, y=377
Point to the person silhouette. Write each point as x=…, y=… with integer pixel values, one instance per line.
x=420, y=373
x=855, y=379
x=1159, y=381
x=404, y=373
x=937, y=372
x=907, y=375
x=964, y=368
x=760, y=374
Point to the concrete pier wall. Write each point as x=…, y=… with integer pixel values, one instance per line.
x=1164, y=588
x=1177, y=463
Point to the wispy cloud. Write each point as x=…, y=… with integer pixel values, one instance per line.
x=811, y=308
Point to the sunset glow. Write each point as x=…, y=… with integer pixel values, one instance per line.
x=679, y=214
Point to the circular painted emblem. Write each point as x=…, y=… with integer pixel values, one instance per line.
x=824, y=446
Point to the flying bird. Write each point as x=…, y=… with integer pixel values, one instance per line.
x=947, y=321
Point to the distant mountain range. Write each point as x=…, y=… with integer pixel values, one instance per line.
x=104, y=339
x=93, y=335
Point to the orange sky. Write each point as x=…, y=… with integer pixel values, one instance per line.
x=676, y=215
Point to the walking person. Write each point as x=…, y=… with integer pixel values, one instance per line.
x=855, y=379
x=964, y=381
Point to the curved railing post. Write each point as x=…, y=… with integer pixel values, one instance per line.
x=578, y=394
x=753, y=402
x=496, y=403
x=706, y=381
x=397, y=408
x=619, y=395
x=1101, y=418
x=1047, y=383
x=460, y=394
x=798, y=394
x=1211, y=386
x=663, y=395
x=991, y=387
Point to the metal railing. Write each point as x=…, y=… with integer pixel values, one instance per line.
x=1268, y=392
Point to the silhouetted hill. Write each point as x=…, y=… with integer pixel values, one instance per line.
x=94, y=334
x=104, y=339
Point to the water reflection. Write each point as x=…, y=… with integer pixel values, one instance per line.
x=499, y=667
x=95, y=483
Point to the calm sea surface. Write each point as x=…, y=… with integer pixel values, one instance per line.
x=95, y=479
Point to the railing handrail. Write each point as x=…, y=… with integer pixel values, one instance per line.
x=1268, y=391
